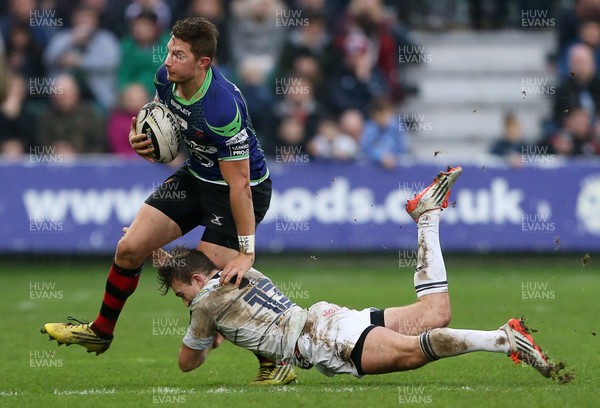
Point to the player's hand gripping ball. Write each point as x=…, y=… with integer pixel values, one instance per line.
x=160, y=125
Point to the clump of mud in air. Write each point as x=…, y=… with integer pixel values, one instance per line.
x=557, y=370
x=560, y=374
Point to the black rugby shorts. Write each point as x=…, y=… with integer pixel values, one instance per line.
x=191, y=202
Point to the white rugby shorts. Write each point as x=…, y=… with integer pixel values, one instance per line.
x=329, y=336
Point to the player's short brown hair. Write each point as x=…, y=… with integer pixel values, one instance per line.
x=200, y=33
x=184, y=262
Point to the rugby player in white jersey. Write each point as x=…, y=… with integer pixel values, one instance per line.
x=336, y=340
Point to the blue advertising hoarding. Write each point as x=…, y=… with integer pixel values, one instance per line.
x=81, y=206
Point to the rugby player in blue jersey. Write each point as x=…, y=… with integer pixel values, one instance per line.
x=224, y=185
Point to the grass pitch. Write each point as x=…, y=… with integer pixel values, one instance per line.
x=556, y=293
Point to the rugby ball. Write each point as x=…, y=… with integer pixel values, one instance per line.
x=160, y=125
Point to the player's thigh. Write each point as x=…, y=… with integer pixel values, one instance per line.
x=181, y=199
x=150, y=230
x=385, y=351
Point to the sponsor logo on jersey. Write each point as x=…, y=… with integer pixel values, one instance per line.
x=199, y=296
x=199, y=152
x=204, y=291
x=205, y=149
x=240, y=146
x=180, y=108
x=198, y=132
x=241, y=151
x=331, y=311
x=239, y=138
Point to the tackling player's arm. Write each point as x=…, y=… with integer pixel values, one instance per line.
x=200, y=338
x=190, y=359
x=237, y=175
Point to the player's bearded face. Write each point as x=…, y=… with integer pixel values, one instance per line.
x=181, y=64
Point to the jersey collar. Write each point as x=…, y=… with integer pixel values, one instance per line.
x=200, y=93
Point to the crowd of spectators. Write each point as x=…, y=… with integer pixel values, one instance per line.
x=314, y=72
x=573, y=129
x=321, y=78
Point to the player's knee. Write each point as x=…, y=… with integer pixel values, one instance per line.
x=128, y=254
x=443, y=317
x=439, y=312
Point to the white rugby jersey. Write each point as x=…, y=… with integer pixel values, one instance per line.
x=255, y=316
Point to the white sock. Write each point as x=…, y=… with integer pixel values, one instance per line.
x=430, y=276
x=440, y=343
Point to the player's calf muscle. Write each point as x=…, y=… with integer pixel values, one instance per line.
x=386, y=351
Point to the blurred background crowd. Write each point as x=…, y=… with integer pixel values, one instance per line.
x=321, y=78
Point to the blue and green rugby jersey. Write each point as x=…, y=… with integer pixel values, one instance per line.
x=215, y=125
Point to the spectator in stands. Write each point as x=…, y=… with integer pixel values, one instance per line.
x=352, y=123
x=510, y=145
x=356, y=83
x=575, y=137
x=158, y=7
x=23, y=53
x=304, y=65
x=131, y=100
x=19, y=13
x=383, y=141
x=143, y=51
x=253, y=32
x=111, y=12
x=17, y=124
x=582, y=88
x=71, y=125
x=331, y=9
x=593, y=146
x=88, y=52
x=589, y=34
x=330, y=143
x=290, y=143
x=215, y=11
x=309, y=42
x=570, y=18
x=368, y=17
x=297, y=100
x=259, y=97
x=3, y=72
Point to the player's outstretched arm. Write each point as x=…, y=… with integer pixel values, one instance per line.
x=190, y=359
x=237, y=175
